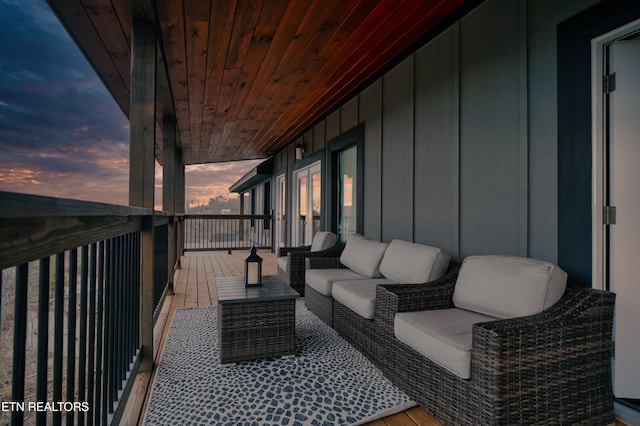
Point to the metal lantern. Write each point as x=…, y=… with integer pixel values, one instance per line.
x=253, y=269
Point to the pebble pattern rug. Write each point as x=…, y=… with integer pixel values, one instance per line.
x=328, y=382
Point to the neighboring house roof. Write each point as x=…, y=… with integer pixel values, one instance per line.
x=258, y=174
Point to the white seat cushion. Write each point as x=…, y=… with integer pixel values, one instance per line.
x=358, y=295
x=323, y=240
x=445, y=336
x=283, y=262
x=363, y=255
x=508, y=286
x=321, y=280
x=412, y=263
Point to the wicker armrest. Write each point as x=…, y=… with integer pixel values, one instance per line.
x=578, y=306
x=394, y=298
x=322, y=262
x=283, y=251
x=296, y=258
x=548, y=357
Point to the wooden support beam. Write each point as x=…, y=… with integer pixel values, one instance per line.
x=169, y=186
x=142, y=118
x=169, y=168
x=180, y=184
x=142, y=167
x=180, y=200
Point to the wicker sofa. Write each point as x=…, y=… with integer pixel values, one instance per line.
x=290, y=260
x=551, y=365
x=342, y=292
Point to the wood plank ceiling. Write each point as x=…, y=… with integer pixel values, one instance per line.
x=245, y=77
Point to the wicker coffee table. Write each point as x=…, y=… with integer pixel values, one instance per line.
x=256, y=322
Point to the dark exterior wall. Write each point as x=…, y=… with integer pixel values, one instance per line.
x=461, y=137
x=493, y=164
x=371, y=116
x=397, y=153
x=437, y=143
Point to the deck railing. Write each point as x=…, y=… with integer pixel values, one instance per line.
x=227, y=232
x=70, y=305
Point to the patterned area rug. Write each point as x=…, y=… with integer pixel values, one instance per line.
x=328, y=382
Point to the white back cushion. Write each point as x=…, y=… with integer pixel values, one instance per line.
x=508, y=286
x=411, y=263
x=323, y=240
x=363, y=255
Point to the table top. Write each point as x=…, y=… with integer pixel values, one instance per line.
x=232, y=290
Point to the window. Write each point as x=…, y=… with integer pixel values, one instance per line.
x=346, y=174
x=266, y=204
x=347, y=192
x=307, y=204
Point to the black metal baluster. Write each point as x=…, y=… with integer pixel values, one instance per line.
x=43, y=337
x=118, y=317
x=137, y=287
x=71, y=332
x=116, y=314
x=126, y=299
x=129, y=298
x=92, y=333
x=82, y=350
x=58, y=335
x=113, y=330
x=124, y=315
x=20, y=341
x=108, y=332
x=98, y=406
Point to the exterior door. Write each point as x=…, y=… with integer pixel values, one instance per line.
x=306, y=219
x=624, y=195
x=280, y=211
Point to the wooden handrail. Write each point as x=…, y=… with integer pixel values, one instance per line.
x=13, y=204
x=34, y=226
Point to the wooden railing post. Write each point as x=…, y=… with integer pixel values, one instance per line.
x=147, y=305
x=169, y=187
x=142, y=167
x=180, y=201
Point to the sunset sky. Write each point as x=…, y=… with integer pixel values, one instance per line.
x=61, y=133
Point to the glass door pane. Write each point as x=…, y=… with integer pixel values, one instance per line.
x=302, y=208
x=347, y=197
x=315, y=202
x=280, y=211
x=307, y=204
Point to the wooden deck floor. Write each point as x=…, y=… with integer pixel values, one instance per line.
x=195, y=287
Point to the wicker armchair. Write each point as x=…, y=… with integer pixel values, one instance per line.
x=553, y=367
x=293, y=272
x=316, y=302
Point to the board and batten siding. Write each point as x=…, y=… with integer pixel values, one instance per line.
x=461, y=136
x=493, y=146
x=397, y=153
